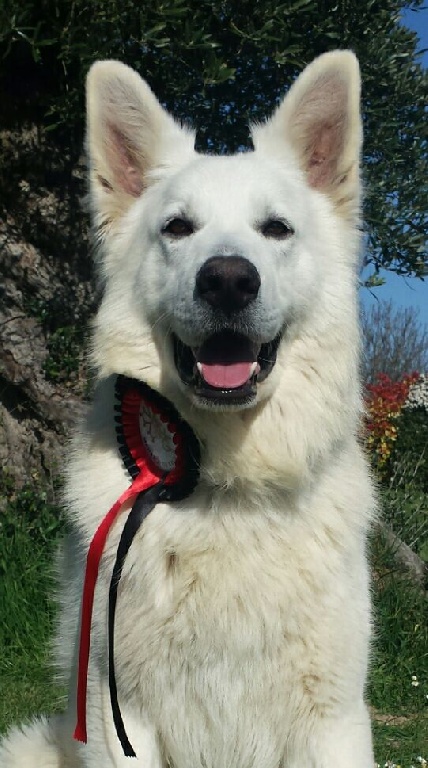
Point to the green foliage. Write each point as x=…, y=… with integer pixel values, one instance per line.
x=64, y=353
x=226, y=62
x=397, y=440
x=400, y=650
x=404, y=508
x=411, y=447
x=405, y=487
x=400, y=741
x=31, y=511
x=65, y=337
x=30, y=523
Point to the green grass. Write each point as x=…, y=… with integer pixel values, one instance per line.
x=400, y=654
x=27, y=692
x=29, y=530
x=30, y=527
x=401, y=636
x=401, y=742
x=406, y=507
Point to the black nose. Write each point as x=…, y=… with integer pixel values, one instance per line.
x=229, y=283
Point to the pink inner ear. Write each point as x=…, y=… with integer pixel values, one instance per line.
x=132, y=183
x=323, y=154
x=321, y=118
x=122, y=160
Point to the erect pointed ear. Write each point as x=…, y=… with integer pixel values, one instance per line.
x=320, y=119
x=128, y=135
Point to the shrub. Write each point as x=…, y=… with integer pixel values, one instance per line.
x=411, y=446
x=397, y=438
x=385, y=400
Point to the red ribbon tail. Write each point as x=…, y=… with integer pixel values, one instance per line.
x=92, y=567
x=80, y=734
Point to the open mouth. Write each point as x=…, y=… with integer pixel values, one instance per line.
x=226, y=368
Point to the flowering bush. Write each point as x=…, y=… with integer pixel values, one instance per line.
x=384, y=402
x=397, y=438
x=410, y=450
x=418, y=394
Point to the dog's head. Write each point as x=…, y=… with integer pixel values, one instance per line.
x=214, y=266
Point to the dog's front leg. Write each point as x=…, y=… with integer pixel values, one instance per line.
x=103, y=748
x=344, y=741
x=109, y=754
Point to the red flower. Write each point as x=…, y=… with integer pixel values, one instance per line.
x=384, y=401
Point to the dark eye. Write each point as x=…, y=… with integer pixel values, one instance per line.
x=276, y=228
x=178, y=228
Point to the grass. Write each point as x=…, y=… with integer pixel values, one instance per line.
x=30, y=527
x=398, y=687
x=400, y=742
x=404, y=502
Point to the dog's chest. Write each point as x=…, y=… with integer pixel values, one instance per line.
x=200, y=629
x=225, y=618
x=215, y=606
x=203, y=582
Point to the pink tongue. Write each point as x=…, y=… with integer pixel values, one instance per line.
x=226, y=376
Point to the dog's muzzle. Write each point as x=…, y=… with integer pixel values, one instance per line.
x=225, y=369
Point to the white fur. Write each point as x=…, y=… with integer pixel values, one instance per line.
x=251, y=650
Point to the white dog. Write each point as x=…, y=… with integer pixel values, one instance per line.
x=242, y=627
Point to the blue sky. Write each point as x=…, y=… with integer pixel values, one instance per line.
x=405, y=291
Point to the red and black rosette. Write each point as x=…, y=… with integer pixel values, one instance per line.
x=162, y=455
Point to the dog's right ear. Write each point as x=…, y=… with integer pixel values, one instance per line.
x=128, y=135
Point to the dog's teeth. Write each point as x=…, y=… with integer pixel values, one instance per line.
x=199, y=367
x=253, y=368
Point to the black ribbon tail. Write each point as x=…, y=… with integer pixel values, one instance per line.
x=141, y=507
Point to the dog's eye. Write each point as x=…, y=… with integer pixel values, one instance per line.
x=178, y=228
x=276, y=228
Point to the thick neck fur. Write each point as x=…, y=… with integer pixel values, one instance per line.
x=312, y=413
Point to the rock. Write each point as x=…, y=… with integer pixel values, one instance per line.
x=46, y=300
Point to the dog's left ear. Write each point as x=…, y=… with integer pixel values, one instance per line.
x=320, y=119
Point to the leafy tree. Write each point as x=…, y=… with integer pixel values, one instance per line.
x=395, y=342
x=226, y=62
